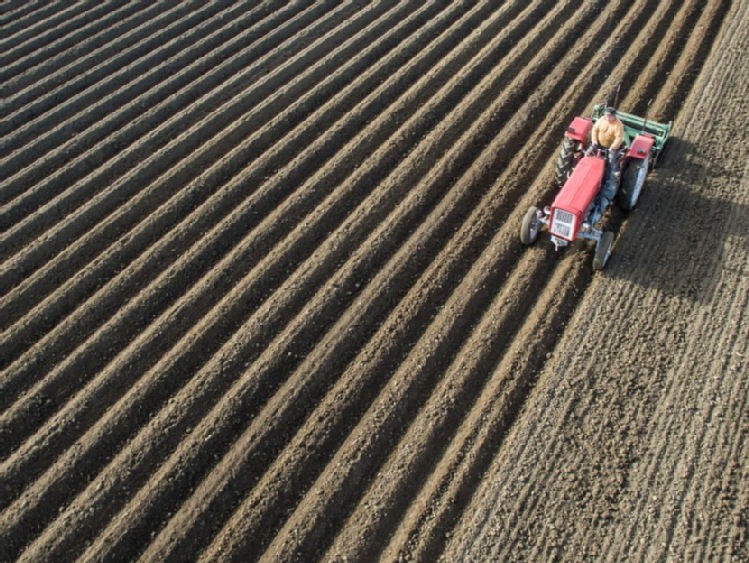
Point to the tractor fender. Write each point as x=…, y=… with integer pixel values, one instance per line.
x=641, y=146
x=579, y=129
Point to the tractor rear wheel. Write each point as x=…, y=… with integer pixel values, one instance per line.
x=603, y=250
x=529, y=228
x=566, y=160
x=633, y=179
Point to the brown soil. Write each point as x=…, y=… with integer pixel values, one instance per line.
x=262, y=295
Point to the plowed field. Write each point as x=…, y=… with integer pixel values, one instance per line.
x=262, y=295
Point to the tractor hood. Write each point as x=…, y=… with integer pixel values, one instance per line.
x=573, y=200
x=582, y=186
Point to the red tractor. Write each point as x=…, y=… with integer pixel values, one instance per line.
x=589, y=183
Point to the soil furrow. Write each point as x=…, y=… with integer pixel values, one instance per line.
x=694, y=54
x=250, y=256
x=265, y=426
x=350, y=395
x=551, y=503
x=439, y=535
x=263, y=323
x=171, y=180
x=38, y=101
x=262, y=295
x=434, y=541
x=47, y=61
x=173, y=276
x=455, y=394
x=21, y=46
x=671, y=36
x=263, y=269
x=17, y=333
x=14, y=305
x=130, y=92
x=86, y=136
x=222, y=107
x=120, y=249
x=18, y=17
x=321, y=496
x=426, y=527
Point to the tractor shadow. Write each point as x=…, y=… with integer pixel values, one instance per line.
x=682, y=234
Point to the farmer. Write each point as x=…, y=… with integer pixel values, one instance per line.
x=608, y=133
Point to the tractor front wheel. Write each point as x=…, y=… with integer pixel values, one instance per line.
x=603, y=250
x=529, y=228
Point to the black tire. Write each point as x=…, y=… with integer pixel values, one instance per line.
x=603, y=250
x=529, y=228
x=633, y=180
x=565, y=161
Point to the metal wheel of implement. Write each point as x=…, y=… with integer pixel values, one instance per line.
x=529, y=228
x=633, y=179
x=603, y=250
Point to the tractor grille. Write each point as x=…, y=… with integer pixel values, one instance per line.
x=563, y=224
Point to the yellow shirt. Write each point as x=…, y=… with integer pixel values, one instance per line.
x=609, y=134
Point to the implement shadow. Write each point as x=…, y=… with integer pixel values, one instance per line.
x=676, y=239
